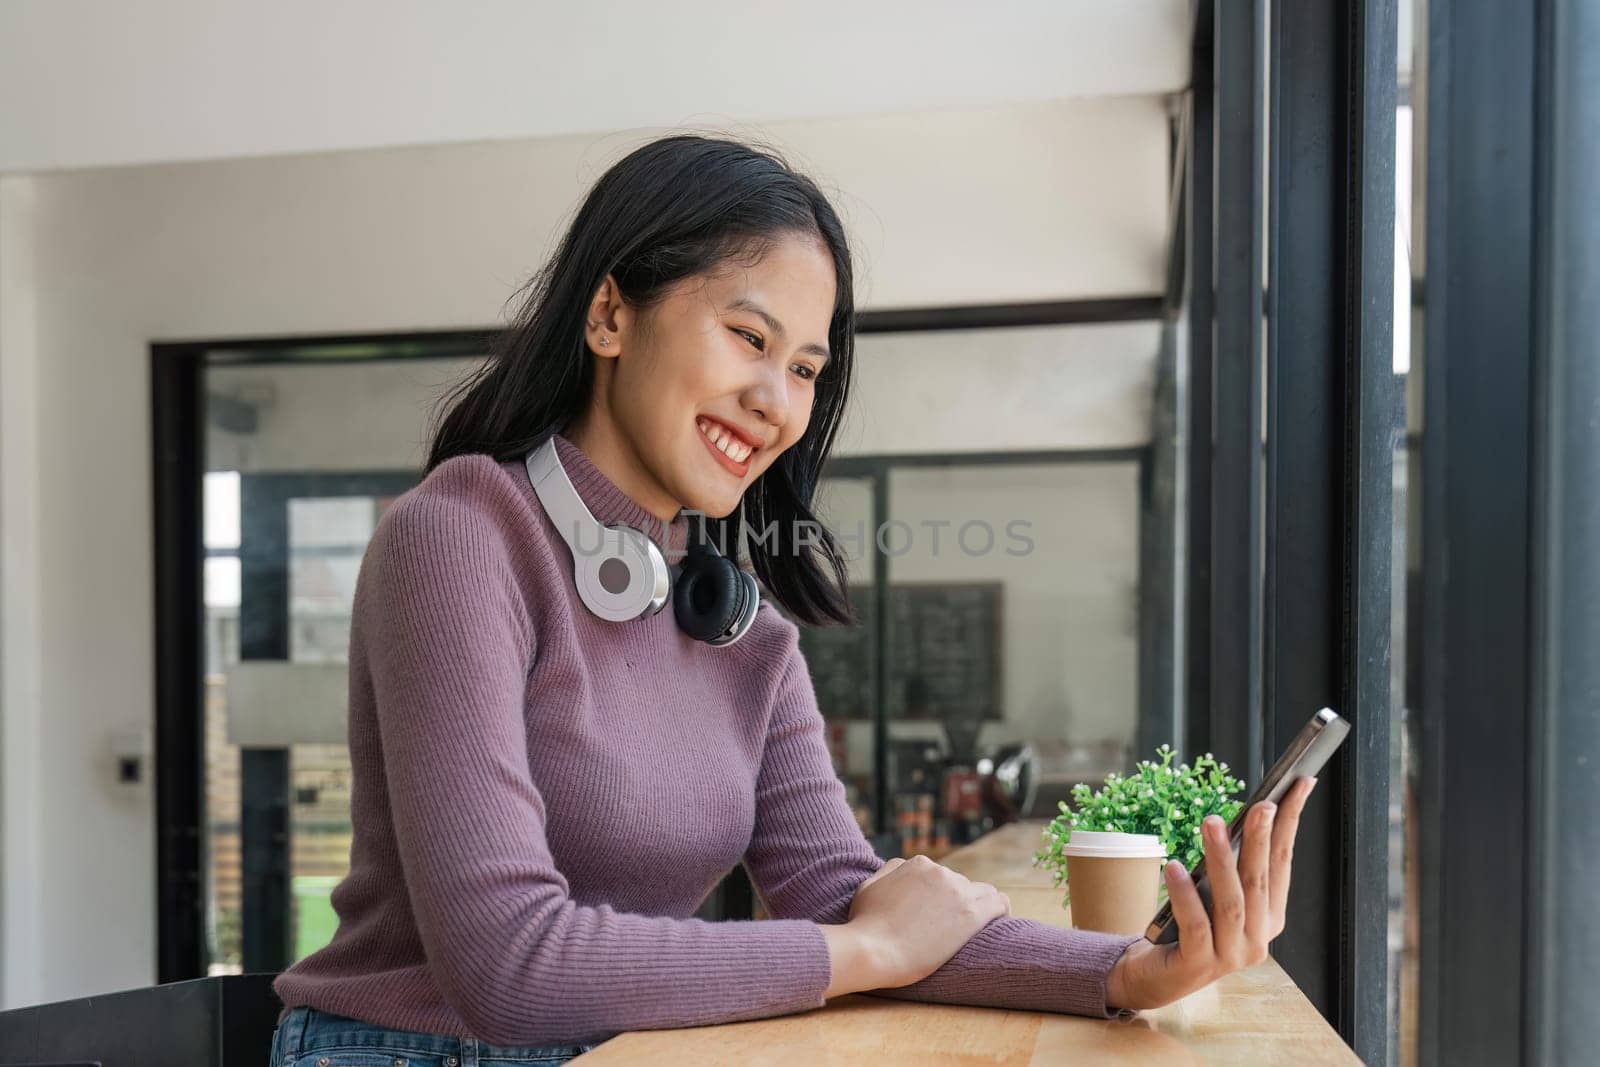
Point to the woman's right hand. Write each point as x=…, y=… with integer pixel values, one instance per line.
x=911, y=916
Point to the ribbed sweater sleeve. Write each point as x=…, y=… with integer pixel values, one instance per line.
x=449, y=640
x=807, y=855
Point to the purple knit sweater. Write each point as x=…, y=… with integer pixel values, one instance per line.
x=541, y=800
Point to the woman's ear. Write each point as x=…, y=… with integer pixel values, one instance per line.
x=607, y=320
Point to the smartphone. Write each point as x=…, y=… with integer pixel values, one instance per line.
x=1304, y=758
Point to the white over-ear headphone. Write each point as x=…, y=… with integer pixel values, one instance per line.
x=621, y=574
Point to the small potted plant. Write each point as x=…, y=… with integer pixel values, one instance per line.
x=1168, y=802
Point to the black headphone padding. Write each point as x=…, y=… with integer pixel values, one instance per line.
x=708, y=595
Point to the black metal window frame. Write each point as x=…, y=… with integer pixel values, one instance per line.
x=1504, y=672
x=1288, y=223
x=179, y=406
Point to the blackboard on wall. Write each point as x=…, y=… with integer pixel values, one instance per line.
x=944, y=653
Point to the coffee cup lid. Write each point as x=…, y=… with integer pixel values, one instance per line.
x=1113, y=845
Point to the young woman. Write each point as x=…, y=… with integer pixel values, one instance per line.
x=542, y=798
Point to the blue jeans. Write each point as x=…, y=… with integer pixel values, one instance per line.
x=311, y=1038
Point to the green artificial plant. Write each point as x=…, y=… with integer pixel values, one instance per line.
x=1157, y=799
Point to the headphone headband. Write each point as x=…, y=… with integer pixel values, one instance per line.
x=621, y=574
x=555, y=491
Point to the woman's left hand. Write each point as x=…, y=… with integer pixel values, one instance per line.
x=1248, y=900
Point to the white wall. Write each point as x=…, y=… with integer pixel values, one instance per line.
x=170, y=80
x=22, y=705
x=1049, y=201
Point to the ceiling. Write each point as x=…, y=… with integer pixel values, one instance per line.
x=84, y=83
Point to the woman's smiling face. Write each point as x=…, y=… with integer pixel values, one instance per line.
x=690, y=407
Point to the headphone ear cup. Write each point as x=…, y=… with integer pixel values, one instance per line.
x=628, y=578
x=708, y=596
x=747, y=611
x=747, y=602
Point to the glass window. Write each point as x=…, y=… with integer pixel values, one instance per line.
x=286, y=523
x=1013, y=469
x=1012, y=639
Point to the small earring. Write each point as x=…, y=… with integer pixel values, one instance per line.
x=605, y=340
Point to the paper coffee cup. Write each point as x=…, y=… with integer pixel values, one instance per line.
x=1114, y=879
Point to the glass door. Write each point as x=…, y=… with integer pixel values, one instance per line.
x=301, y=462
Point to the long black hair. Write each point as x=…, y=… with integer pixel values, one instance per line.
x=669, y=210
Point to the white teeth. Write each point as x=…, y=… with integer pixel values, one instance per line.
x=729, y=446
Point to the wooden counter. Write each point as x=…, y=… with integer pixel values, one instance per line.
x=1252, y=1016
